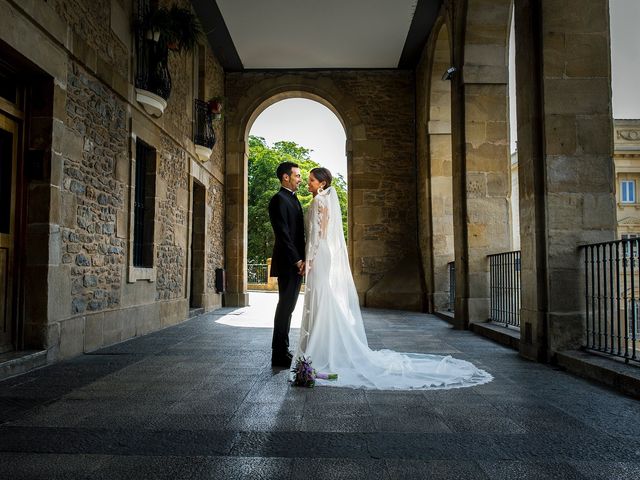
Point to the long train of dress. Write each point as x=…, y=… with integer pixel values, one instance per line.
x=332, y=332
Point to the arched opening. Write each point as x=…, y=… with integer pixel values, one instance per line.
x=240, y=119
x=294, y=129
x=625, y=72
x=440, y=174
x=514, y=198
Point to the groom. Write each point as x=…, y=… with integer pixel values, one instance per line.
x=287, y=261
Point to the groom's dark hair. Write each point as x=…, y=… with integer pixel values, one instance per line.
x=285, y=169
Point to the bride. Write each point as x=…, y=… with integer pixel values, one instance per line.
x=332, y=333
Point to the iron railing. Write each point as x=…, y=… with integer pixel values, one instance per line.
x=612, y=294
x=452, y=286
x=257, y=273
x=203, y=129
x=504, y=286
x=152, y=71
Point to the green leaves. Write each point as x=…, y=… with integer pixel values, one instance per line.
x=263, y=184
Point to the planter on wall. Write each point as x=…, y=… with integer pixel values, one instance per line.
x=153, y=104
x=203, y=153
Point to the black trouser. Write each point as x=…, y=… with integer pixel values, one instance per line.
x=289, y=283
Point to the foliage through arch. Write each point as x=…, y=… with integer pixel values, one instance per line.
x=263, y=184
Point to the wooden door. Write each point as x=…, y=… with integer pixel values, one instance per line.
x=8, y=167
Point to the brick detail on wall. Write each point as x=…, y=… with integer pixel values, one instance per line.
x=172, y=214
x=97, y=119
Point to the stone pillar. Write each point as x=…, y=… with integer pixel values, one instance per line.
x=485, y=186
x=365, y=208
x=236, y=191
x=272, y=283
x=440, y=173
x=565, y=166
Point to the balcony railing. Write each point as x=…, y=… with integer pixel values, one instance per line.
x=452, y=286
x=504, y=286
x=152, y=71
x=612, y=294
x=203, y=133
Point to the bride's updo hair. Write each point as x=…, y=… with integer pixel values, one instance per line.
x=322, y=175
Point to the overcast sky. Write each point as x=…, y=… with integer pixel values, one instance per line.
x=309, y=124
x=625, y=57
x=314, y=126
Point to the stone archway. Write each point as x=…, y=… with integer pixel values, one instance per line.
x=434, y=164
x=377, y=110
x=239, y=121
x=440, y=175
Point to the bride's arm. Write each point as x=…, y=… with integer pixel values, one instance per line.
x=318, y=224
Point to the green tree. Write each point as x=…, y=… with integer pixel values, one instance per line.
x=263, y=184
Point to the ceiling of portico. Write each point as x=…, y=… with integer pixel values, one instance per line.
x=317, y=34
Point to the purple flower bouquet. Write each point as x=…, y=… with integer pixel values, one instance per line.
x=305, y=375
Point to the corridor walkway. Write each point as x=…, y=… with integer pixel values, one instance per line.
x=200, y=400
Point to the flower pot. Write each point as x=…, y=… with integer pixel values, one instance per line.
x=152, y=103
x=203, y=153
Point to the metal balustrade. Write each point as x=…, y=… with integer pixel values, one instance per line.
x=612, y=294
x=203, y=128
x=505, y=289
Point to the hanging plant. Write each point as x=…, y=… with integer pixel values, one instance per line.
x=175, y=28
x=159, y=31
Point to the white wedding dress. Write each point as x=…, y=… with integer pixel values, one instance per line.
x=332, y=333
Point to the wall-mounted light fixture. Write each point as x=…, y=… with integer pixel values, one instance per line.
x=449, y=73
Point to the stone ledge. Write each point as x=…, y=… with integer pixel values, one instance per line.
x=446, y=316
x=608, y=371
x=508, y=337
x=17, y=363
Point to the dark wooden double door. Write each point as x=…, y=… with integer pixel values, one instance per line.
x=8, y=201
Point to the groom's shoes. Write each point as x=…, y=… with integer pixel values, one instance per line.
x=281, y=359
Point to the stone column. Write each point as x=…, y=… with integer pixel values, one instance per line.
x=565, y=165
x=439, y=174
x=236, y=191
x=441, y=210
x=485, y=186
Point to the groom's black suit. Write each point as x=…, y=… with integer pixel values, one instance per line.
x=285, y=214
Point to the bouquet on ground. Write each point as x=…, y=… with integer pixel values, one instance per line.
x=304, y=375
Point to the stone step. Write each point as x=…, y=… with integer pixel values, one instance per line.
x=22, y=361
x=194, y=312
x=603, y=369
x=507, y=336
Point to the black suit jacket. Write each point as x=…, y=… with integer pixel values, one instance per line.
x=285, y=213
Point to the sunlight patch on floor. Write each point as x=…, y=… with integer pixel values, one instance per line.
x=259, y=313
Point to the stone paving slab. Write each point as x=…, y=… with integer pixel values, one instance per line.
x=200, y=400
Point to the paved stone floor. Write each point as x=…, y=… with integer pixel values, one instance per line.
x=200, y=400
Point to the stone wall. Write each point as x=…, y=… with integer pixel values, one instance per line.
x=91, y=195
x=215, y=231
x=172, y=219
x=434, y=153
x=90, y=21
x=89, y=295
